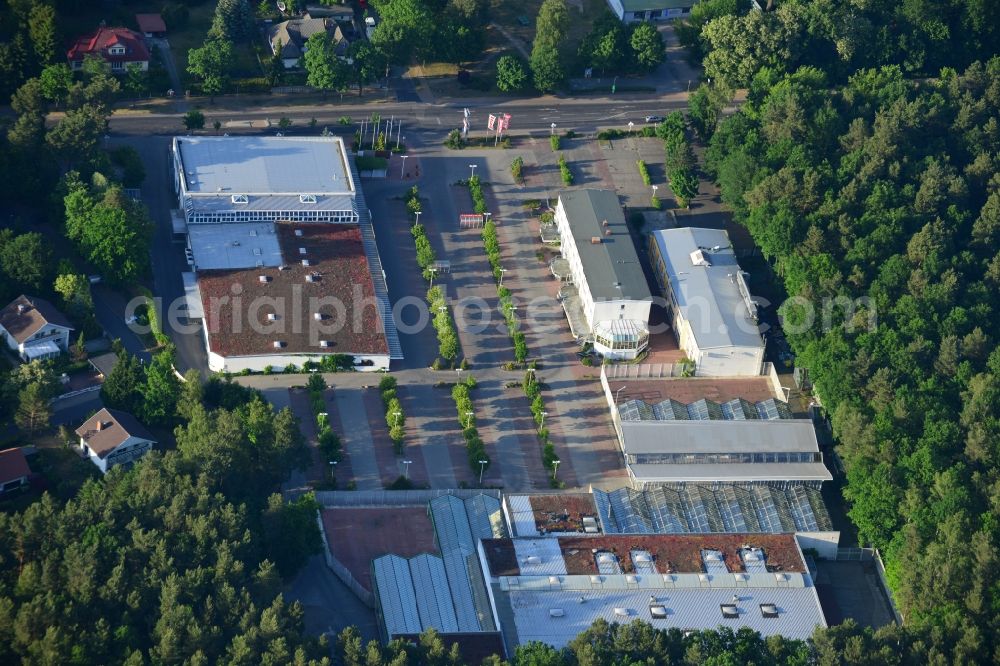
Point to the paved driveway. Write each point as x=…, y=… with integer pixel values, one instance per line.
x=109, y=308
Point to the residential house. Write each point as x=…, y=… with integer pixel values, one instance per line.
x=289, y=38
x=34, y=328
x=631, y=11
x=119, y=47
x=340, y=13
x=112, y=437
x=151, y=25
x=14, y=471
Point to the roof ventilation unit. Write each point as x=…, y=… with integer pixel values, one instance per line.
x=729, y=611
x=240, y=199
x=769, y=611
x=305, y=262
x=658, y=611
x=325, y=344
x=279, y=344
x=556, y=612
x=595, y=240
x=698, y=258
x=312, y=277
x=263, y=279
x=533, y=559
x=298, y=232
x=621, y=612
x=318, y=316
x=302, y=250
x=607, y=232
x=272, y=317
x=307, y=198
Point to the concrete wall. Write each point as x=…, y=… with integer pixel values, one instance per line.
x=235, y=364
x=728, y=361
x=824, y=543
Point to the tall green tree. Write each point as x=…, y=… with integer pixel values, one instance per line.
x=647, y=46
x=75, y=139
x=324, y=70
x=122, y=388
x=212, y=64
x=368, y=63
x=26, y=260
x=511, y=76
x=33, y=411
x=43, y=32
x=161, y=390
x=550, y=30
x=233, y=21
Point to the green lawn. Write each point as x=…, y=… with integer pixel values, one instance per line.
x=193, y=35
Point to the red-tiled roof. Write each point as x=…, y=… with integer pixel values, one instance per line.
x=150, y=23
x=342, y=285
x=34, y=313
x=100, y=42
x=13, y=465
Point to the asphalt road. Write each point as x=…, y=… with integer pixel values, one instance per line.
x=581, y=114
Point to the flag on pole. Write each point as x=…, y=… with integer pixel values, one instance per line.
x=493, y=121
x=466, y=112
x=465, y=127
x=506, y=121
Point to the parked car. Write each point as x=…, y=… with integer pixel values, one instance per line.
x=655, y=119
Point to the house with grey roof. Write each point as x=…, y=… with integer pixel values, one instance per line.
x=288, y=38
x=608, y=300
x=631, y=11
x=713, y=314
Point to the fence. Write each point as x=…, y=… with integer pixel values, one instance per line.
x=71, y=394
x=376, y=498
x=644, y=370
x=872, y=555
x=341, y=572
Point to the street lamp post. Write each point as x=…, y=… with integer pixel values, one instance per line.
x=542, y=423
x=468, y=419
x=619, y=391
x=553, y=127
x=395, y=418
x=482, y=468
x=473, y=169
x=403, y=167
x=459, y=371
x=432, y=271
x=555, y=467
x=406, y=468
x=417, y=221
x=486, y=217
x=655, y=187
x=502, y=271
x=630, y=126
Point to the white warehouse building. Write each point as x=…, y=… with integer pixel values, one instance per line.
x=713, y=315
x=605, y=270
x=285, y=267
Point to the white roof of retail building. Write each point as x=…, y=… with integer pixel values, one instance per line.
x=719, y=436
x=234, y=245
x=708, y=286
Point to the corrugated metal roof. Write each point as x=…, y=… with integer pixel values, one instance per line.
x=707, y=296
x=539, y=557
x=485, y=521
x=522, y=517
x=719, y=436
x=735, y=472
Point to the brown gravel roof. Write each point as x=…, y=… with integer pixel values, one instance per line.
x=336, y=257
x=562, y=512
x=672, y=553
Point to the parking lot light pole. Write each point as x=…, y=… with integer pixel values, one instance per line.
x=553, y=126
x=473, y=174
x=542, y=423
x=655, y=187
x=482, y=468
x=486, y=217
x=395, y=418
x=432, y=271
x=502, y=271
x=555, y=467
x=403, y=166
x=417, y=221
x=630, y=126
x=459, y=371
x=468, y=419
x=333, y=468
x=406, y=468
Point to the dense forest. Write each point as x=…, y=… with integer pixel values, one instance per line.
x=868, y=177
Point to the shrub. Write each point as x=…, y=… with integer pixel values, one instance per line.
x=387, y=382
x=478, y=198
x=454, y=140
x=567, y=175
x=516, y=169
x=644, y=172
x=554, y=142
x=655, y=202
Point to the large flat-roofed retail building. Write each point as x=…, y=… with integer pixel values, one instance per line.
x=713, y=314
x=285, y=265
x=610, y=285
x=264, y=179
x=552, y=588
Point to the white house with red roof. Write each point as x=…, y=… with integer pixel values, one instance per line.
x=119, y=47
